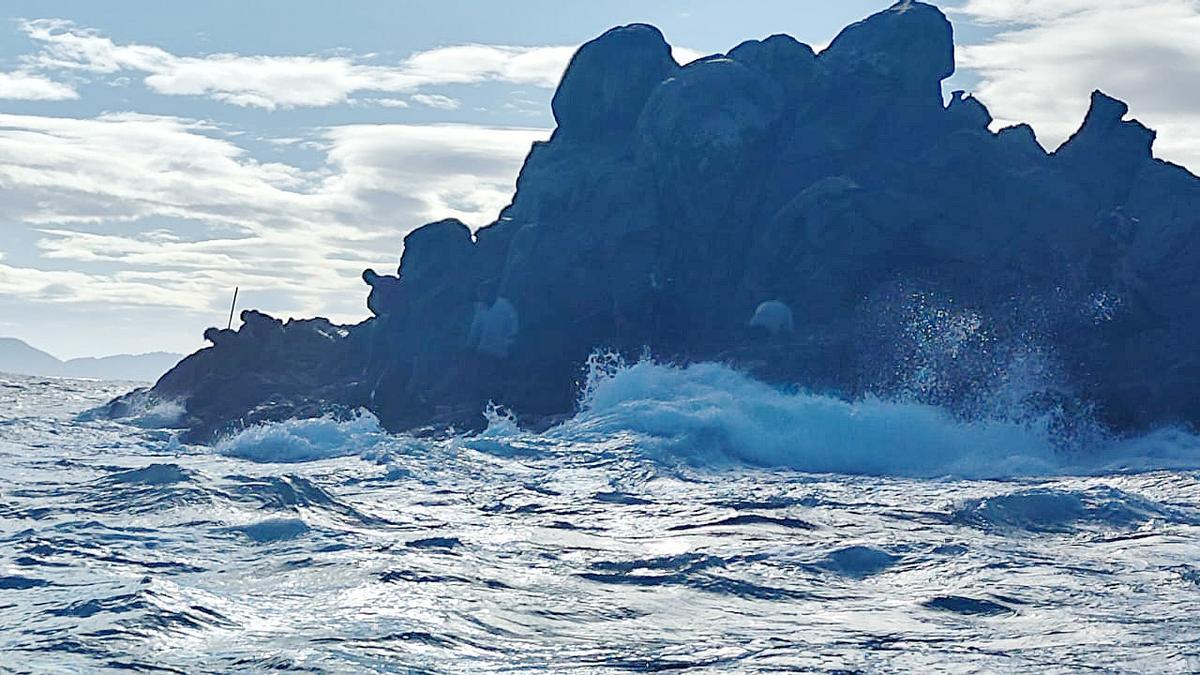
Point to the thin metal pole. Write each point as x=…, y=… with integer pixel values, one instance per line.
x=232, y=307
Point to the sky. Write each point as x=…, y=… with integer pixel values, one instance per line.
x=155, y=155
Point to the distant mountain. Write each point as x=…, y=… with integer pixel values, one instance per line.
x=18, y=357
x=141, y=367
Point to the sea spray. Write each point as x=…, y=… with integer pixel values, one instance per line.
x=710, y=413
x=305, y=440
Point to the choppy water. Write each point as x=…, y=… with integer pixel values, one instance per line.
x=687, y=519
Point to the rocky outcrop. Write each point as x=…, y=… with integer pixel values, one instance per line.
x=607, y=83
x=821, y=219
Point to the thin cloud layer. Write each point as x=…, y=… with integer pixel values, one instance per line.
x=437, y=101
x=138, y=210
x=22, y=86
x=272, y=82
x=1047, y=58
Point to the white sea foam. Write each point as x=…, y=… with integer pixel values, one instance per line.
x=710, y=413
x=140, y=409
x=159, y=414
x=305, y=439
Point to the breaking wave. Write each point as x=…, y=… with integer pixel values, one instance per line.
x=305, y=440
x=140, y=409
x=710, y=414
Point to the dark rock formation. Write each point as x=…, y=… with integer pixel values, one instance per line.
x=817, y=219
x=607, y=83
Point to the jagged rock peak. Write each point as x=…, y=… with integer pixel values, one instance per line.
x=1021, y=139
x=1108, y=151
x=1105, y=109
x=1105, y=125
x=910, y=44
x=608, y=82
x=968, y=111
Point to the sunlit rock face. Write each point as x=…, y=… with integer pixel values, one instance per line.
x=682, y=210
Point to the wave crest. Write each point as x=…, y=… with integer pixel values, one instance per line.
x=304, y=440
x=710, y=413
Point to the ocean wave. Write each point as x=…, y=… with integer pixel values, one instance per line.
x=305, y=440
x=126, y=542
x=1058, y=510
x=710, y=413
x=139, y=408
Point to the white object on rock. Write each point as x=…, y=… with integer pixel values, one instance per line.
x=773, y=316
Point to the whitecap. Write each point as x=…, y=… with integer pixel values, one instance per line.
x=305, y=440
x=712, y=414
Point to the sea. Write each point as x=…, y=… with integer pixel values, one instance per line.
x=686, y=519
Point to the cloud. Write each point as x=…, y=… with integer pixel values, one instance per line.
x=119, y=290
x=437, y=101
x=684, y=56
x=22, y=86
x=1046, y=58
x=289, y=81
x=137, y=210
x=382, y=102
x=272, y=82
x=468, y=64
x=461, y=171
x=1023, y=11
x=128, y=166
